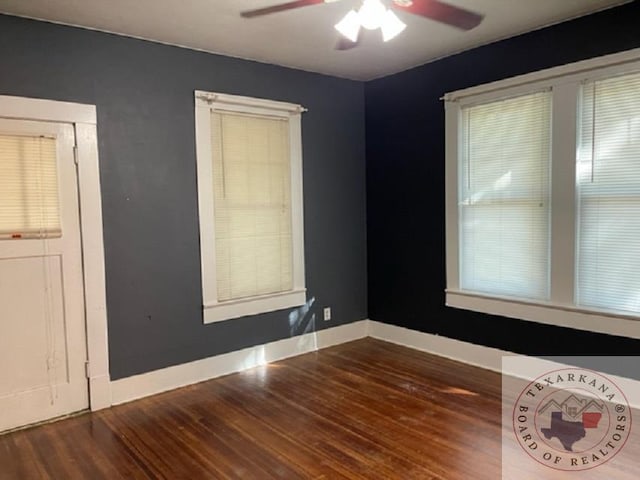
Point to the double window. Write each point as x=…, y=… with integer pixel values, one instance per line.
x=543, y=192
x=250, y=203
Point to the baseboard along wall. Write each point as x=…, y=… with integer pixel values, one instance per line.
x=139, y=386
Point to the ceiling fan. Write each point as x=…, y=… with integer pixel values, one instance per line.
x=374, y=14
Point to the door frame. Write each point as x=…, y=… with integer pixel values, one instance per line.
x=83, y=119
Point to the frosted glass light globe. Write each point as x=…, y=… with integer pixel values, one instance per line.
x=372, y=14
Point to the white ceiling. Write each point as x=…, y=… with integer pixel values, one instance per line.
x=302, y=38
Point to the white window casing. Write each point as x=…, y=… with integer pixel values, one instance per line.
x=249, y=164
x=576, y=243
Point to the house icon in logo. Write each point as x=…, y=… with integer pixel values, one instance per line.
x=573, y=407
x=570, y=419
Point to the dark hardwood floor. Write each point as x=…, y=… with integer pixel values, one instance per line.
x=362, y=410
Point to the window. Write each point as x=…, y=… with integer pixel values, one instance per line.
x=249, y=159
x=543, y=196
x=29, y=204
x=608, y=274
x=504, y=196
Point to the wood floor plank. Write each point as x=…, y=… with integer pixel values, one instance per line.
x=362, y=410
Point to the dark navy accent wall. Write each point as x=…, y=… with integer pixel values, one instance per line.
x=144, y=97
x=405, y=184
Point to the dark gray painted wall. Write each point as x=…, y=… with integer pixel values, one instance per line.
x=405, y=184
x=144, y=97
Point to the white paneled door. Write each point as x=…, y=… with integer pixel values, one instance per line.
x=42, y=327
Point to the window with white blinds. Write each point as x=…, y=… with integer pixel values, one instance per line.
x=608, y=188
x=504, y=196
x=252, y=201
x=543, y=196
x=29, y=203
x=249, y=160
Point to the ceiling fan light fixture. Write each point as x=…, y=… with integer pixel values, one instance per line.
x=349, y=26
x=391, y=26
x=372, y=14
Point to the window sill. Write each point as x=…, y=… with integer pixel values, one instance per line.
x=231, y=309
x=558, y=315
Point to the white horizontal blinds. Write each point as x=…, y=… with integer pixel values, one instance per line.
x=252, y=201
x=504, y=209
x=29, y=204
x=608, y=171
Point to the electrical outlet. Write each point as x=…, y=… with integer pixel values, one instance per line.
x=327, y=313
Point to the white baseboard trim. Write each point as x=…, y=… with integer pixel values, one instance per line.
x=151, y=383
x=484, y=357
x=139, y=386
x=470, y=353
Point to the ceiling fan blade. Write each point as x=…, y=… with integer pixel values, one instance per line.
x=279, y=8
x=441, y=12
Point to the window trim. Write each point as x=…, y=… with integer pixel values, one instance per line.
x=214, y=310
x=565, y=82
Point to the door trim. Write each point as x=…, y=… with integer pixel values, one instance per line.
x=83, y=118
